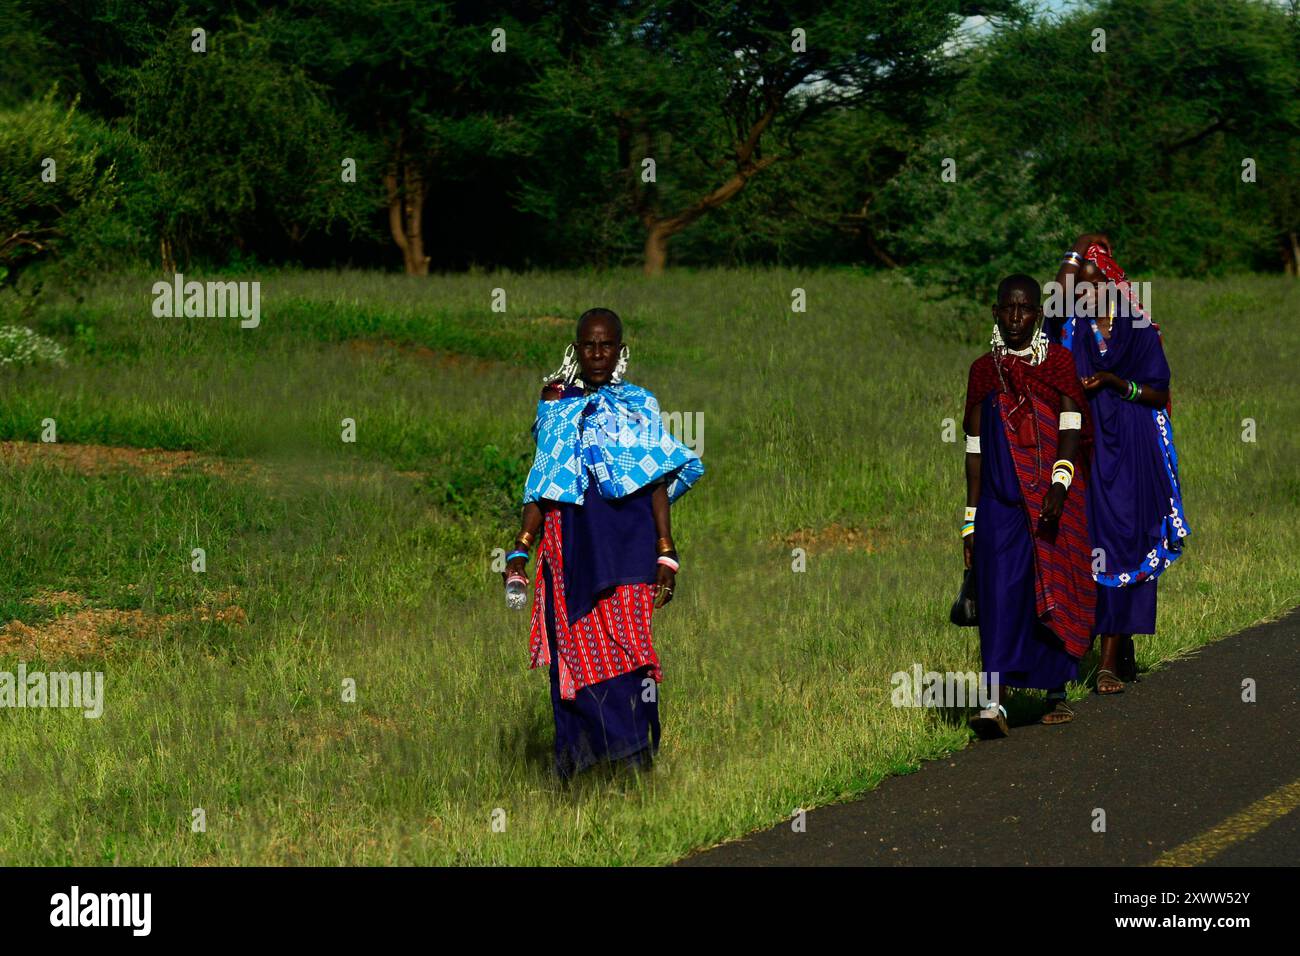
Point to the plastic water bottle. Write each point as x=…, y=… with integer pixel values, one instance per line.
x=516, y=592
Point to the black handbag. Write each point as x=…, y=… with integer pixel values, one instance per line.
x=963, y=612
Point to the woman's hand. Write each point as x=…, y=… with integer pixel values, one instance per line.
x=968, y=548
x=1053, y=504
x=516, y=566
x=1103, y=379
x=665, y=582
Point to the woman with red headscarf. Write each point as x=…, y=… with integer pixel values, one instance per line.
x=1136, y=523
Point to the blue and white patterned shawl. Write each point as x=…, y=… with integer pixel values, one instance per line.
x=623, y=442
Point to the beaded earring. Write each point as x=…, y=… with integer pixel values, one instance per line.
x=568, y=370
x=1039, y=346
x=617, y=375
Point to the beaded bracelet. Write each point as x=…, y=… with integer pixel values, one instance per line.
x=517, y=554
x=669, y=563
x=1134, y=392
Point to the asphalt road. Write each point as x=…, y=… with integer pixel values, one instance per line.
x=1184, y=770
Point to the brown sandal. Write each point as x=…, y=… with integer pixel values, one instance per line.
x=1109, y=680
x=1059, y=714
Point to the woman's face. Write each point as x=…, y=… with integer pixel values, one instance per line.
x=1090, y=293
x=597, y=347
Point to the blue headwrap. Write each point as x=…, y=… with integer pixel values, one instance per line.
x=622, y=440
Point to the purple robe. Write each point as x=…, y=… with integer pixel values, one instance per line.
x=1130, y=493
x=1014, y=642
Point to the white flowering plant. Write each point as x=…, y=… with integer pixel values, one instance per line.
x=21, y=346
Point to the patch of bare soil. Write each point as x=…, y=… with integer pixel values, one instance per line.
x=84, y=631
x=160, y=463
x=99, y=459
x=554, y=321
x=834, y=537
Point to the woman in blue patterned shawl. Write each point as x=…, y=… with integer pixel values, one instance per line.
x=598, y=493
x=1135, y=506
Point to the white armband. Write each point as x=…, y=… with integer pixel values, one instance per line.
x=972, y=444
x=968, y=525
x=1071, y=420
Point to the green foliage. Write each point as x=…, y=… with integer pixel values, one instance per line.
x=534, y=156
x=962, y=237
x=1146, y=140
x=482, y=483
x=243, y=143
x=720, y=116
x=40, y=219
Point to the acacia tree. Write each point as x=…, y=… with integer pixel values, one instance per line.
x=714, y=93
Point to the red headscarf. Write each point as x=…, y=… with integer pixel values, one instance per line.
x=1112, y=271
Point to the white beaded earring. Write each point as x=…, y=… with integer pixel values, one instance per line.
x=568, y=370
x=996, y=341
x=617, y=375
x=1040, y=346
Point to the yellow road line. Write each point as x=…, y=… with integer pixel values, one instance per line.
x=1239, y=826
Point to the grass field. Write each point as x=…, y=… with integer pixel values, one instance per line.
x=371, y=560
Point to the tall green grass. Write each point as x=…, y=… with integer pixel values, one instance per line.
x=372, y=561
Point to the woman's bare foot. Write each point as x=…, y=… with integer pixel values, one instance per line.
x=1058, y=710
x=1108, y=681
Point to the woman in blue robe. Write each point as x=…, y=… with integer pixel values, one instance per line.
x=1136, y=523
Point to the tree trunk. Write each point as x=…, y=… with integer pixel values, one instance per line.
x=1293, y=266
x=168, y=258
x=405, y=190
x=656, y=249
x=660, y=229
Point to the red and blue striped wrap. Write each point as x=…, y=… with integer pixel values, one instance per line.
x=1030, y=406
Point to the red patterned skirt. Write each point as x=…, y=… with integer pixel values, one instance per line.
x=614, y=638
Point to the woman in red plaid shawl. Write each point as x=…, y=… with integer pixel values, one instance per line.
x=1025, y=532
